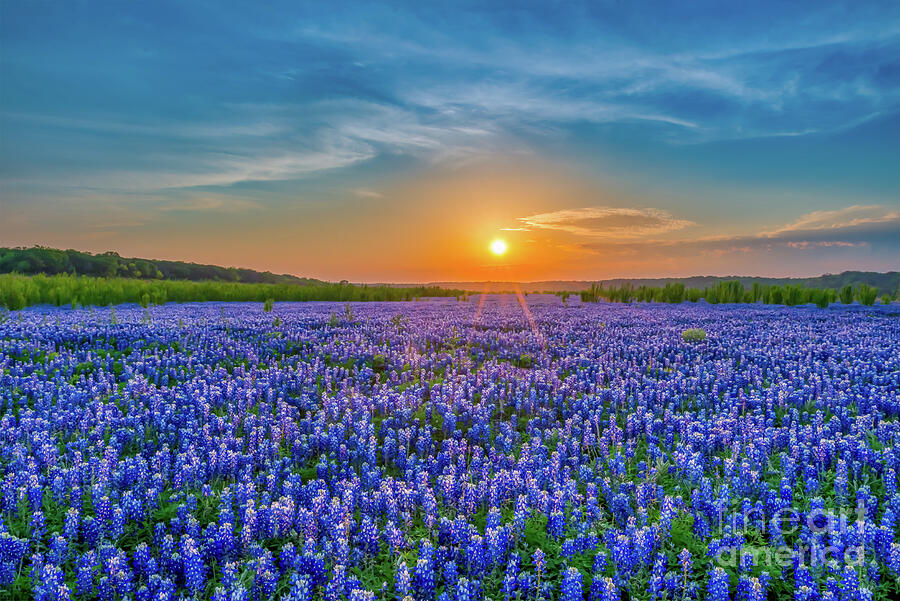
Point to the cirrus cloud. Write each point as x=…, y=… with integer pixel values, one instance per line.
x=855, y=215
x=601, y=222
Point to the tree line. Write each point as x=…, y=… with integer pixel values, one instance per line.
x=734, y=291
x=51, y=261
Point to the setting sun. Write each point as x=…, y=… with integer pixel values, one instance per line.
x=498, y=247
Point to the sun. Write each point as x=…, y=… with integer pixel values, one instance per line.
x=498, y=247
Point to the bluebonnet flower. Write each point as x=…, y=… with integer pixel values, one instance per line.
x=59, y=550
x=571, y=585
x=71, y=524
x=717, y=588
x=686, y=562
x=540, y=563
x=300, y=589
x=402, y=580
x=254, y=439
x=464, y=590
x=194, y=568
x=423, y=579
x=84, y=573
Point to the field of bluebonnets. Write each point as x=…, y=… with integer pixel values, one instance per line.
x=450, y=450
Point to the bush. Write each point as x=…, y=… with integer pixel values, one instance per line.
x=269, y=305
x=867, y=294
x=822, y=298
x=846, y=295
x=694, y=335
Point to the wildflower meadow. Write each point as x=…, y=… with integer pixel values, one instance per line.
x=491, y=448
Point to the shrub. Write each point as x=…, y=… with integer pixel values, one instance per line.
x=867, y=294
x=269, y=305
x=694, y=335
x=846, y=295
x=822, y=298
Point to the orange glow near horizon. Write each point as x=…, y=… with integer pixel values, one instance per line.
x=441, y=225
x=438, y=226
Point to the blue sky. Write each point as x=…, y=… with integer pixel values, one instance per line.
x=602, y=139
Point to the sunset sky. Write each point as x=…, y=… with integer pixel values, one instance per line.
x=394, y=142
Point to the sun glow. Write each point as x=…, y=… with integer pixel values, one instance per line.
x=498, y=247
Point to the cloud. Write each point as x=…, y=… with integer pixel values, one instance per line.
x=212, y=202
x=870, y=229
x=367, y=193
x=805, y=244
x=608, y=222
x=847, y=217
x=821, y=74
x=226, y=169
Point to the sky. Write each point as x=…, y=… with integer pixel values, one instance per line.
x=393, y=142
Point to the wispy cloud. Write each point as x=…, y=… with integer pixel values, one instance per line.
x=608, y=222
x=227, y=169
x=847, y=217
x=805, y=244
x=212, y=202
x=367, y=193
x=854, y=227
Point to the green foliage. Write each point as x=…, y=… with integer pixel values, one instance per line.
x=348, y=313
x=866, y=294
x=694, y=335
x=20, y=291
x=846, y=294
x=269, y=305
x=379, y=362
x=622, y=294
x=526, y=361
x=50, y=261
x=822, y=298
x=722, y=292
x=400, y=321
